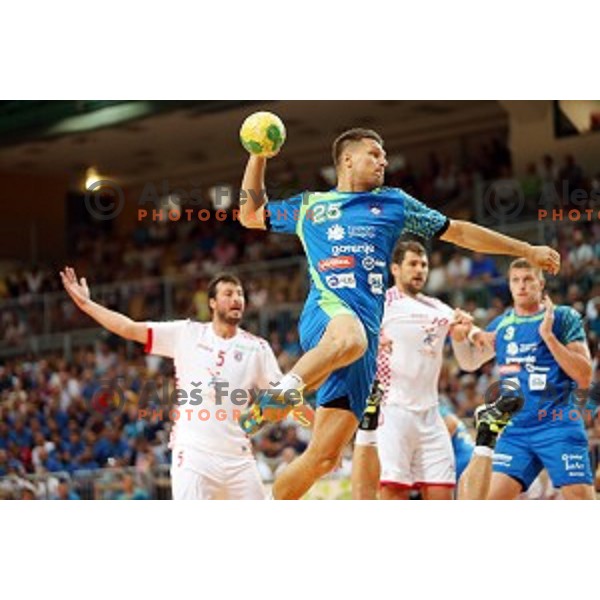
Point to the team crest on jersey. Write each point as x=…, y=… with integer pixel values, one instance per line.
x=376, y=208
x=336, y=233
x=238, y=355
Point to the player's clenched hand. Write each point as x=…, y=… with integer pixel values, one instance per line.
x=548, y=320
x=78, y=290
x=460, y=325
x=545, y=258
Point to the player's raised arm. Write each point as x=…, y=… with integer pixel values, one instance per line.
x=262, y=135
x=253, y=195
x=109, y=319
x=480, y=239
x=573, y=357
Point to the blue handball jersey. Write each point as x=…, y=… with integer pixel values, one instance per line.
x=524, y=359
x=348, y=238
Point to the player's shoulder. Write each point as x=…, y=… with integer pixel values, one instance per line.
x=193, y=325
x=436, y=304
x=197, y=330
x=569, y=323
x=566, y=312
x=393, y=193
x=394, y=296
x=254, y=340
x=501, y=320
x=175, y=324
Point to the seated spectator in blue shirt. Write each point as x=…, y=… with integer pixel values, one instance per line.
x=21, y=435
x=483, y=268
x=50, y=461
x=64, y=492
x=110, y=445
x=130, y=492
x=135, y=426
x=292, y=344
x=35, y=426
x=60, y=417
x=85, y=461
x=74, y=446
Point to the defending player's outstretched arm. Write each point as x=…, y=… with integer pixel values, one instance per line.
x=253, y=195
x=109, y=319
x=477, y=238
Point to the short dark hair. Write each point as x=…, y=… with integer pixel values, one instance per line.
x=221, y=278
x=352, y=135
x=405, y=246
x=523, y=263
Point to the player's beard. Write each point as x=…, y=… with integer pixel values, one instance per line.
x=412, y=288
x=225, y=317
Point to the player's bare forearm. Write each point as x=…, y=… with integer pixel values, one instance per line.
x=480, y=239
x=117, y=323
x=253, y=195
x=574, y=360
x=470, y=357
x=477, y=238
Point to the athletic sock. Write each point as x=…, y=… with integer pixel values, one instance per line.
x=483, y=451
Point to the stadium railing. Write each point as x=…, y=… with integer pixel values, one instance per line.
x=151, y=484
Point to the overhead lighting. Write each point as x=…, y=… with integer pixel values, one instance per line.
x=91, y=178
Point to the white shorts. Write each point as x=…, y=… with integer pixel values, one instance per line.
x=197, y=475
x=415, y=448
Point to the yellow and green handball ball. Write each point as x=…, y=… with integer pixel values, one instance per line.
x=262, y=134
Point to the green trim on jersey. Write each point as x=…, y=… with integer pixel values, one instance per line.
x=331, y=304
x=513, y=319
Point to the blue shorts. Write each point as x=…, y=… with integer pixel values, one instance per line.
x=353, y=381
x=522, y=452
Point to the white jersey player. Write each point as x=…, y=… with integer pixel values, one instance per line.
x=414, y=446
x=218, y=367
